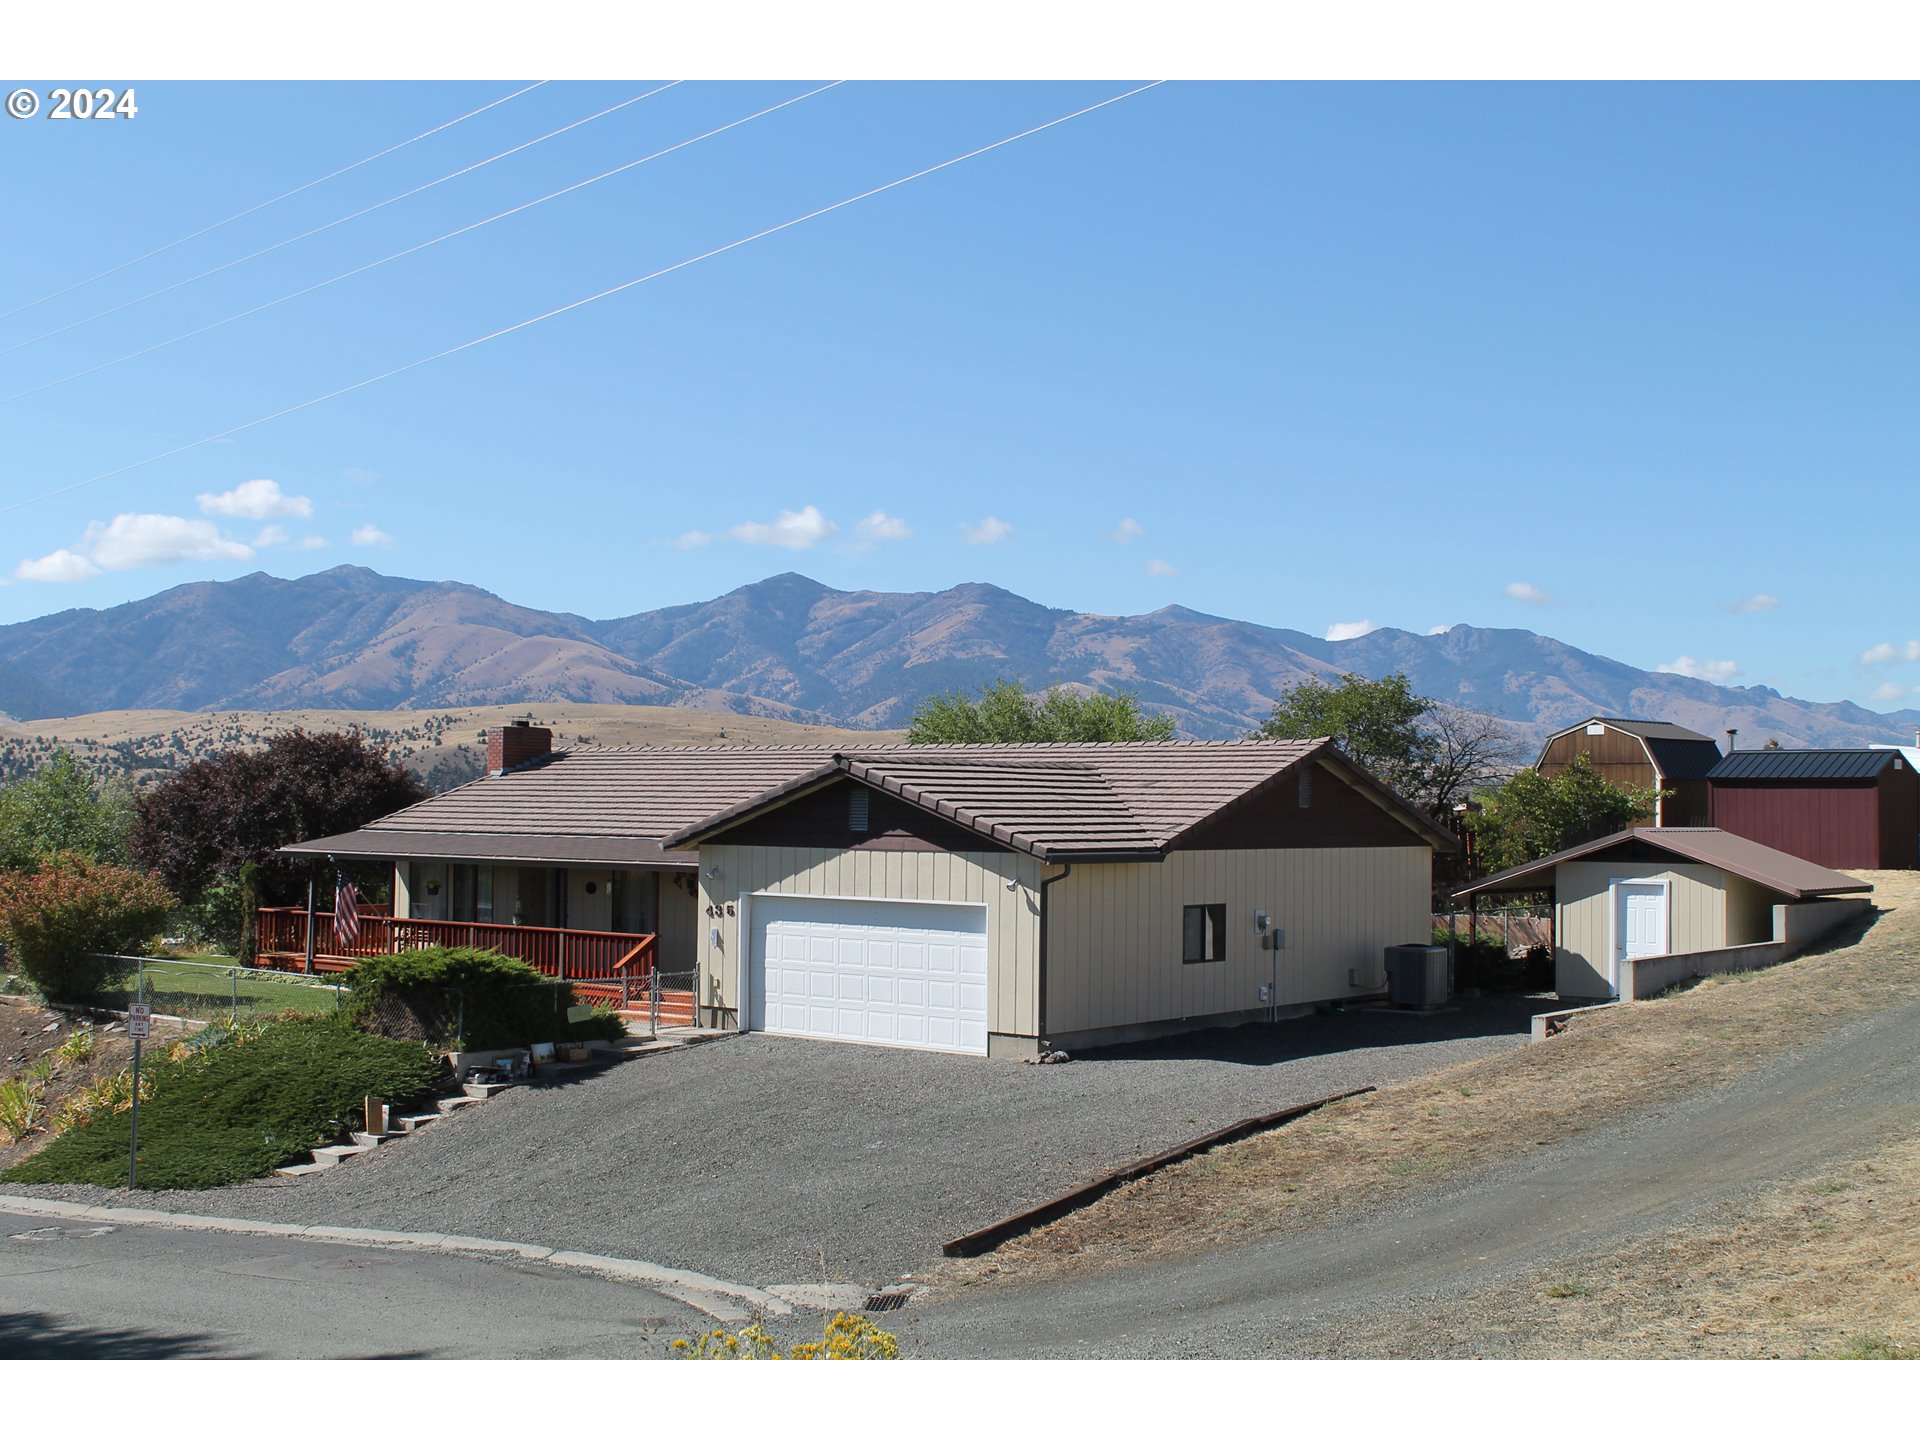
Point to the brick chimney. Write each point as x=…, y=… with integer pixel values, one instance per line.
x=511, y=746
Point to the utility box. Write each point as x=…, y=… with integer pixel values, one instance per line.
x=1417, y=975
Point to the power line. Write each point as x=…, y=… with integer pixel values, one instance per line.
x=415, y=249
x=583, y=301
x=331, y=224
x=264, y=204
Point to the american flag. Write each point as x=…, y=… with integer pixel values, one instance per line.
x=346, y=912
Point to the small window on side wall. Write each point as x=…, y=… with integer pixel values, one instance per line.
x=1204, y=934
x=857, y=801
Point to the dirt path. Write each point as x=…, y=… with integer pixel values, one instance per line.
x=1409, y=1139
x=1429, y=1274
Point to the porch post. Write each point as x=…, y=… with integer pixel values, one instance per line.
x=312, y=867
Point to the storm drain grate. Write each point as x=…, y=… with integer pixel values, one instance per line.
x=887, y=1300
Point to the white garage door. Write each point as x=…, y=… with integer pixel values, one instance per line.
x=884, y=972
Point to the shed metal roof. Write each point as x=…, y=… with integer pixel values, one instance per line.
x=1804, y=764
x=1788, y=875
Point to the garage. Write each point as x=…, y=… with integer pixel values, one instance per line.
x=875, y=971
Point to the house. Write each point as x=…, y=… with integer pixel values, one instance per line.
x=1852, y=809
x=1641, y=910
x=1641, y=754
x=991, y=899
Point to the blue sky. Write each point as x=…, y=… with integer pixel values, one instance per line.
x=1631, y=365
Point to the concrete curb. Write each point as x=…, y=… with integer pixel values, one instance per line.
x=723, y=1300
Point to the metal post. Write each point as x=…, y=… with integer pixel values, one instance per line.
x=234, y=976
x=133, y=1145
x=653, y=1004
x=312, y=866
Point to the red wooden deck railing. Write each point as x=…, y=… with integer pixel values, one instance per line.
x=604, y=964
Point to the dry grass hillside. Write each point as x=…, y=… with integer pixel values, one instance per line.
x=441, y=745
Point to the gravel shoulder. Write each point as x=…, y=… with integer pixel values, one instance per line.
x=777, y=1161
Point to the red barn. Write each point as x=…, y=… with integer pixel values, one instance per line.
x=1846, y=809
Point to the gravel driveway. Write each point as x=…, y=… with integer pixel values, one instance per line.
x=770, y=1160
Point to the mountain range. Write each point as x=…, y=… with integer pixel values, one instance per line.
x=792, y=648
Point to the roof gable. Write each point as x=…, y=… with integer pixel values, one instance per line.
x=1789, y=875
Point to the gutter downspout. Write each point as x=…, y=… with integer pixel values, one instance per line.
x=1041, y=1026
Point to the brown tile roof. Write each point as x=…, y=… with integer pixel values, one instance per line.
x=1789, y=875
x=1081, y=799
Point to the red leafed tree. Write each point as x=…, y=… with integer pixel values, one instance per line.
x=216, y=816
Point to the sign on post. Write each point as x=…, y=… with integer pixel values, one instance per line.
x=139, y=1026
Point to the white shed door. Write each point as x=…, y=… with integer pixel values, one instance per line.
x=885, y=972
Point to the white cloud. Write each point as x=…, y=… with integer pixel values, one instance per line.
x=1755, y=603
x=358, y=476
x=1439, y=629
x=693, y=540
x=882, y=526
x=127, y=542
x=131, y=542
x=990, y=531
x=257, y=500
x=59, y=567
x=1714, y=670
x=311, y=542
x=1881, y=654
x=1527, y=594
x=1891, y=691
x=1127, y=531
x=794, y=530
x=1350, y=629
x=1162, y=570
x=370, y=535
x=270, y=535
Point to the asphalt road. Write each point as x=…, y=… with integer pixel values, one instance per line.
x=76, y=1289
x=1822, y=1104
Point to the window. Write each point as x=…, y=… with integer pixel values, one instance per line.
x=1204, y=934
x=1306, y=789
x=857, y=810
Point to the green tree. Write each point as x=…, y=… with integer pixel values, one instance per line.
x=57, y=920
x=1006, y=714
x=1376, y=722
x=1533, y=815
x=62, y=808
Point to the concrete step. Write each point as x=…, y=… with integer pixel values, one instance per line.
x=338, y=1152
x=407, y=1124
x=367, y=1141
x=482, y=1089
x=310, y=1168
x=455, y=1102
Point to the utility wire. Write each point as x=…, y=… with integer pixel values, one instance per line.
x=584, y=300
x=319, y=229
x=423, y=245
x=264, y=204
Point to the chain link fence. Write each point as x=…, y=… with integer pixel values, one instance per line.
x=200, y=990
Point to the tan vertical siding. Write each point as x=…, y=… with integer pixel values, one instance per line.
x=933, y=876
x=1696, y=916
x=1114, y=956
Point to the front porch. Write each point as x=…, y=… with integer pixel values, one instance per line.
x=602, y=965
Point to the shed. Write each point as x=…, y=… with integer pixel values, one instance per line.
x=1637, y=911
x=1645, y=755
x=1857, y=809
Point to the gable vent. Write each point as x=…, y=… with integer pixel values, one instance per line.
x=857, y=810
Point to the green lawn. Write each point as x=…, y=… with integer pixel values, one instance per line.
x=202, y=991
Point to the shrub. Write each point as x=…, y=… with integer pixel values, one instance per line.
x=59, y=920
x=230, y=1111
x=847, y=1337
x=476, y=999
x=19, y=1110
